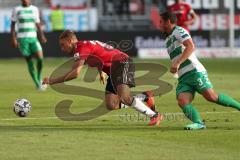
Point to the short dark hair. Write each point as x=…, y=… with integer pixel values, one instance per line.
x=169, y=16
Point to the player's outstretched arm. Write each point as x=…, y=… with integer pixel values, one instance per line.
x=189, y=48
x=14, y=37
x=193, y=18
x=76, y=69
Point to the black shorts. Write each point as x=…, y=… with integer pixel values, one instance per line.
x=122, y=72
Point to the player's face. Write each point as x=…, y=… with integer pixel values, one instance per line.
x=163, y=25
x=25, y=2
x=66, y=45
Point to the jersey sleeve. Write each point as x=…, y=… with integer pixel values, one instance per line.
x=83, y=51
x=14, y=15
x=182, y=34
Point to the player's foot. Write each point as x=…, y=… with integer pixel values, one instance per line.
x=156, y=120
x=42, y=87
x=150, y=100
x=195, y=126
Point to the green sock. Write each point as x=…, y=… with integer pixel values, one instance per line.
x=225, y=100
x=191, y=113
x=32, y=72
x=39, y=68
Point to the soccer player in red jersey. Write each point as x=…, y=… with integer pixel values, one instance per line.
x=116, y=64
x=184, y=13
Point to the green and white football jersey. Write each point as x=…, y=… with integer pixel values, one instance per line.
x=175, y=47
x=26, y=19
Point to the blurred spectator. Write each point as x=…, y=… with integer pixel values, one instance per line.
x=157, y=7
x=124, y=7
x=94, y=3
x=57, y=19
x=184, y=13
x=137, y=7
x=154, y=13
x=110, y=7
x=142, y=7
x=69, y=4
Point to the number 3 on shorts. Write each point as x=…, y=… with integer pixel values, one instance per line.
x=200, y=82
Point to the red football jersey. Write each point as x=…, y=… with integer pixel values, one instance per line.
x=98, y=54
x=181, y=10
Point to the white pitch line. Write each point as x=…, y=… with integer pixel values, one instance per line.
x=124, y=114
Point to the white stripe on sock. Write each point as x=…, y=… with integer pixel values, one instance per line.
x=141, y=107
x=123, y=105
x=140, y=96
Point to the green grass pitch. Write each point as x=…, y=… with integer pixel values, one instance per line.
x=118, y=135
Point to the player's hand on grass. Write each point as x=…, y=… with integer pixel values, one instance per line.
x=102, y=77
x=174, y=67
x=46, y=80
x=14, y=43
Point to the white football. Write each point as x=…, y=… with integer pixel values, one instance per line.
x=22, y=107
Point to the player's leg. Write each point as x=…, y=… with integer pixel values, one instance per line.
x=113, y=101
x=37, y=50
x=124, y=94
x=120, y=99
x=184, y=101
x=122, y=75
x=32, y=70
x=39, y=64
x=221, y=99
x=24, y=47
x=205, y=87
x=111, y=98
x=185, y=94
x=147, y=97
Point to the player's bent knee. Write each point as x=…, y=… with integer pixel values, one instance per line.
x=212, y=98
x=126, y=100
x=182, y=102
x=111, y=106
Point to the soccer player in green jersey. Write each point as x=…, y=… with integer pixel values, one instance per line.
x=26, y=19
x=192, y=76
